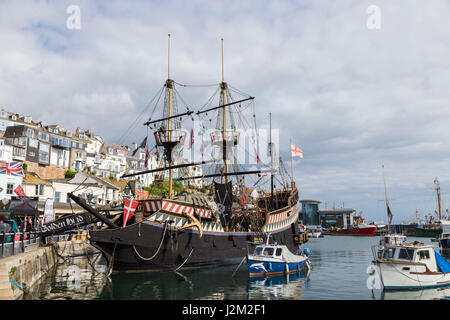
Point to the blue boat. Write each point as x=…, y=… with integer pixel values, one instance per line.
x=276, y=259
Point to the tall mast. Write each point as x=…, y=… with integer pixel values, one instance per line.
x=292, y=165
x=271, y=158
x=387, y=202
x=223, y=86
x=169, y=85
x=438, y=190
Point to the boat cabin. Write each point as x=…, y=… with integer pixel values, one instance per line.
x=275, y=251
x=410, y=253
x=393, y=240
x=269, y=250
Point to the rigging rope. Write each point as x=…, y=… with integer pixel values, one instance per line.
x=159, y=247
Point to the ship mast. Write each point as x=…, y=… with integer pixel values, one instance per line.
x=169, y=85
x=438, y=191
x=223, y=87
x=387, y=203
x=292, y=165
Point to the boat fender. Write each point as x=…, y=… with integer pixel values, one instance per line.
x=287, y=268
x=307, y=251
x=269, y=266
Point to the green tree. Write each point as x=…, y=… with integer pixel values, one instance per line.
x=69, y=174
x=161, y=189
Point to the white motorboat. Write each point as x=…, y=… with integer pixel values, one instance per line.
x=413, y=265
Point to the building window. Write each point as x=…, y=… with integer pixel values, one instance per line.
x=41, y=189
x=9, y=188
x=57, y=196
x=36, y=192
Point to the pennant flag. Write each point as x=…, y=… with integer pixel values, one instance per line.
x=257, y=159
x=295, y=151
x=13, y=168
x=142, y=145
x=128, y=210
x=192, y=138
x=19, y=191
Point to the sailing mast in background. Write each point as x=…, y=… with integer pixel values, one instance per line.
x=438, y=191
x=389, y=213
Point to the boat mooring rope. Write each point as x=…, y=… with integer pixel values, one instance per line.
x=185, y=260
x=159, y=247
x=111, y=261
x=238, y=267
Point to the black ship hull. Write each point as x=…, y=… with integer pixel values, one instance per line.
x=158, y=244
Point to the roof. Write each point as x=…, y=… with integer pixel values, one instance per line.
x=32, y=178
x=310, y=201
x=118, y=183
x=336, y=211
x=86, y=179
x=25, y=209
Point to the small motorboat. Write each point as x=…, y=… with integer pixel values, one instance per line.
x=413, y=265
x=276, y=259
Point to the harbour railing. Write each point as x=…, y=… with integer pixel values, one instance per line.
x=12, y=243
x=17, y=242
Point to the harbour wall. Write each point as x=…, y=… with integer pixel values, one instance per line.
x=20, y=272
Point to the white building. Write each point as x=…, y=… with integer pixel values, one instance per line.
x=7, y=185
x=6, y=151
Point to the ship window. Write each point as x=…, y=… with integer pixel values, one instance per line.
x=258, y=251
x=268, y=251
x=406, y=254
x=278, y=252
x=423, y=255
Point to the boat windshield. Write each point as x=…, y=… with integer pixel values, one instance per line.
x=268, y=251
x=386, y=253
x=258, y=251
x=406, y=254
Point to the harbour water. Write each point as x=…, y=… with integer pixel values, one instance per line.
x=339, y=273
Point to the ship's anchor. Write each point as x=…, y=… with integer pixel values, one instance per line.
x=194, y=223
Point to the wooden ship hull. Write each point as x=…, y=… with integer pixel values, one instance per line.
x=160, y=241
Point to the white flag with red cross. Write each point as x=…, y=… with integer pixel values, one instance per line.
x=295, y=151
x=128, y=210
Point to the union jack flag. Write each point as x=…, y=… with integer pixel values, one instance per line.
x=13, y=168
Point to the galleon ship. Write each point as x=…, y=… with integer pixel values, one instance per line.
x=195, y=229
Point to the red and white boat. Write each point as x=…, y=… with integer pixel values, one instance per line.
x=357, y=230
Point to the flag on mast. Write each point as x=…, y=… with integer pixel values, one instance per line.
x=296, y=151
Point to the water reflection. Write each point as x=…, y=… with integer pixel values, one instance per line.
x=288, y=287
x=190, y=284
x=80, y=278
x=425, y=294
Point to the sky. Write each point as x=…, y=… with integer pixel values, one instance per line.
x=354, y=88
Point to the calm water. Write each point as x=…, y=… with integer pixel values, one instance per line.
x=339, y=273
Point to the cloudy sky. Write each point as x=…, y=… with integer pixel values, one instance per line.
x=351, y=96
